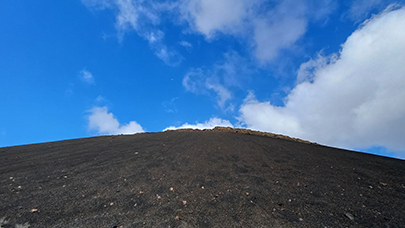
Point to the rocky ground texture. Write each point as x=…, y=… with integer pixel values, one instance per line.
x=215, y=178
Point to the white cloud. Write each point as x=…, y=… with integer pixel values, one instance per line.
x=270, y=38
x=154, y=37
x=265, y=117
x=211, y=16
x=105, y=123
x=279, y=29
x=170, y=57
x=209, y=124
x=275, y=26
x=142, y=17
x=356, y=99
x=307, y=70
x=127, y=17
x=86, y=77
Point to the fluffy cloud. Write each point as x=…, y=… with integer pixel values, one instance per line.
x=209, y=124
x=279, y=29
x=86, y=77
x=211, y=16
x=307, y=70
x=354, y=99
x=105, y=123
x=275, y=26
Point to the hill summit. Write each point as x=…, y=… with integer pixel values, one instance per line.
x=190, y=178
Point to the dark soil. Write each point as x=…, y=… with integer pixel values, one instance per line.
x=198, y=179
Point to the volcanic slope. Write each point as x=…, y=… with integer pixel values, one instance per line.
x=198, y=179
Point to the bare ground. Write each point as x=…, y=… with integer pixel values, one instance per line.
x=218, y=178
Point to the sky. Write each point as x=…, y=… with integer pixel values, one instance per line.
x=326, y=71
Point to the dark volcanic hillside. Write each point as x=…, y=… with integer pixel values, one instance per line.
x=198, y=179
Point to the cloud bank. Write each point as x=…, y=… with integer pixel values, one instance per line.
x=353, y=99
x=104, y=122
x=209, y=124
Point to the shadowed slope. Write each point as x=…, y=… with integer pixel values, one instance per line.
x=198, y=179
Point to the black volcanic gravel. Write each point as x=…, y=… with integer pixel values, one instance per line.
x=197, y=179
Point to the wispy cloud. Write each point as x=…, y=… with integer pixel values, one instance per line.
x=142, y=17
x=170, y=106
x=69, y=90
x=104, y=122
x=168, y=56
x=353, y=99
x=87, y=77
x=188, y=46
x=267, y=27
x=222, y=93
x=360, y=9
x=185, y=44
x=127, y=18
x=232, y=72
x=209, y=124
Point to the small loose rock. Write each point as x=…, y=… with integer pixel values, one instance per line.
x=350, y=216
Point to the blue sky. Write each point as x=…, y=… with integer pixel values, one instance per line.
x=325, y=71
